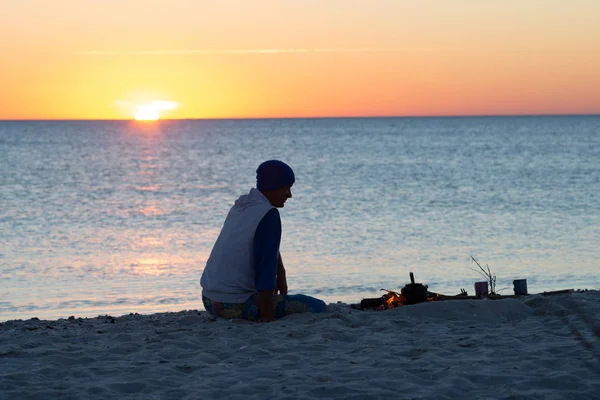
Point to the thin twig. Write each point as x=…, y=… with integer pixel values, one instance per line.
x=482, y=274
x=504, y=288
x=491, y=278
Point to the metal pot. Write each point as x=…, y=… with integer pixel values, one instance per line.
x=414, y=292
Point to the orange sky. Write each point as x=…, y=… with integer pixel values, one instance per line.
x=68, y=59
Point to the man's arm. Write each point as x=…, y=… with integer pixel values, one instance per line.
x=265, y=305
x=281, y=278
x=266, y=260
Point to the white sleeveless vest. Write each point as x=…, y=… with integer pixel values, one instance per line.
x=229, y=273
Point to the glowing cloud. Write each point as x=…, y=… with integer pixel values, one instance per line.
x=188, y=52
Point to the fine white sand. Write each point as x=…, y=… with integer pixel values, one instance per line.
x=467, y=349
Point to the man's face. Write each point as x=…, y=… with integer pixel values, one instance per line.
x=278, y=197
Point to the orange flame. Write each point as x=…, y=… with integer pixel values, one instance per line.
x=392, y=300
x=434, y=296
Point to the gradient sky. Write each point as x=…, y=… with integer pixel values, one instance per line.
x=85, y=59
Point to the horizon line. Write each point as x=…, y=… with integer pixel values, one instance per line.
x=309, y=117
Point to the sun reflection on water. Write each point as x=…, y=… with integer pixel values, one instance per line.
x=151, y=211
x=149, y=188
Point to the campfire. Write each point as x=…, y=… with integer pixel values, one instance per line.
x=394, y=300
x=411, y=293
x=391, y=300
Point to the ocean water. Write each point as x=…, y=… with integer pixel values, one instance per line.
x=114, y=217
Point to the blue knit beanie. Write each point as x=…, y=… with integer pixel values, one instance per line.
x=274, y=174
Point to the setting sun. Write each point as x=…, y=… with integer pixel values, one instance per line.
x=146, y=113
x=151, y=111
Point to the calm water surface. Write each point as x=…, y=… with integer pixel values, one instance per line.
x=115, y=217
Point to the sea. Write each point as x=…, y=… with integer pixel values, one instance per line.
x=119, y=217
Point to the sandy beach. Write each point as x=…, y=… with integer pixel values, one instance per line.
x=533, y=347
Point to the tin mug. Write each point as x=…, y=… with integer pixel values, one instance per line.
x=481, y=288
x=520, y=286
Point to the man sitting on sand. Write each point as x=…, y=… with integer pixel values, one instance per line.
x=244, y=271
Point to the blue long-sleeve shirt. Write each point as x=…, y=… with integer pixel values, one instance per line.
x=267, y=239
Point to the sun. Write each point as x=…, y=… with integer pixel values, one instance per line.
x=146, y=113
x=151, y=111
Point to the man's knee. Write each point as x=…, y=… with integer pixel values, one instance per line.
x=319, y=306
x=313, y=304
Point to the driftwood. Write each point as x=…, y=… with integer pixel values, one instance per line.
x=371, y=303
